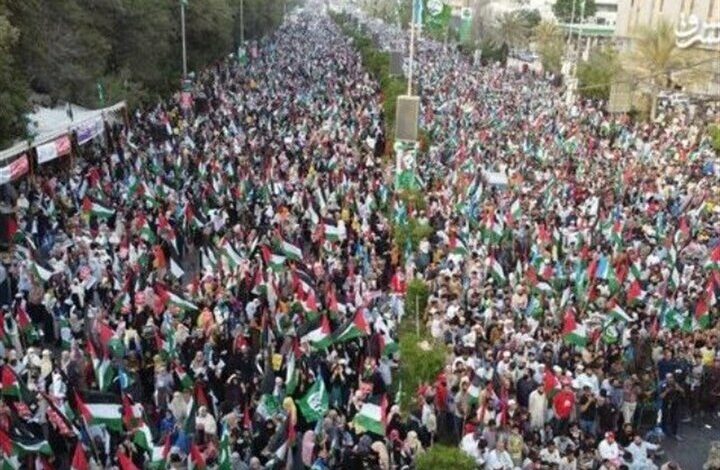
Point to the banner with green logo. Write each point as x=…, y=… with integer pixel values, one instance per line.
x=465, y=24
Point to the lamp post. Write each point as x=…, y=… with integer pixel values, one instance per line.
x=183, y=4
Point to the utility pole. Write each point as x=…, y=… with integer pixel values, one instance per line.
x=183, y=4
x=242, y=21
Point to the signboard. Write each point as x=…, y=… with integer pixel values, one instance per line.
x=52, y=150
x=495, y=178
x=87, y=131
x=691, y=30
x=14, y=170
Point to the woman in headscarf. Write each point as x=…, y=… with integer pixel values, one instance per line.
x=308, y=447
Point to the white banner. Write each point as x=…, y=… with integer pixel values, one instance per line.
x=52, y=150
x=87, y=131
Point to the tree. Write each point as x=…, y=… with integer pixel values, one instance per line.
x=656, y=62
x=511, y=29
x=441, y=456
x=564, y=12
x=550, y=46
x=13, y=92
x=532, y=17
x=595, y=77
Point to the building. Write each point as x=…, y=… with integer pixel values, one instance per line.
x=606, y=12
x=686, y=15
x=632, y=14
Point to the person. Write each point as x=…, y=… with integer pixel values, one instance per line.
x=499, y=458
x=588, y=411
x=563, y=406
x=609, y=450
x=537, y=407
x=671, y=394
x=640, y=449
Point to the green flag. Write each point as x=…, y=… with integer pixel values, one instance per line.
x=465, y=25
x=316, y=402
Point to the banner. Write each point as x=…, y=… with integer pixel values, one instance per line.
x=14, y=170
x=437, y=16
x=52, y=150
x=417, y=13
x=89, y=130
x=465, y=24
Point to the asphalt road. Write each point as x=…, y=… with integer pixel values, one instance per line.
x=692, y=452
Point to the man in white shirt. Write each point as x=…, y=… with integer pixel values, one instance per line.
x=469, y=445
x=550, y=454
x=639, y=450
x=609, y=449
x=499, y=458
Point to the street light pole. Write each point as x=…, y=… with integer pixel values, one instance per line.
x=182, y=32
x=242, y=22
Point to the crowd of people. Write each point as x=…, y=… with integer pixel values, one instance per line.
x=573, y=268
x=218, y=286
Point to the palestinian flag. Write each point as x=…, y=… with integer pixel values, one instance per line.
x=713, y=262
x=146, y=232
x=635, y=293
x=107, y=414
x=458, y=246
x=291, y=251
x=159, y=457
x=232, y=256
x=496, y=271
x=355, y=329
x=619, y=314
x=22, y=445
x=572, y=332
x=316, y=402
x=186, y=382
x=177, y=301
x=388, y=345
x=273, y=261
x=702, y=307
x=175, y=269
x=10, y=382
x=40, y=271
x=196, y=461
x=142, y=437
x=320, y=337
x=636, y=271
x=99, y=211
x=333, y=233
x=104, y=372
x=371, y=418
x=79, y=461
x=25, y=324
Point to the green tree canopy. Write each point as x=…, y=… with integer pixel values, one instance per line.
x=13, y=92
x=595, y=77
x=563, y=10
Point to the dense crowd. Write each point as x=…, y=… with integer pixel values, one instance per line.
x=573, y=266
x=221, y=287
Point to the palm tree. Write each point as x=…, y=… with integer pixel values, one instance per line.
x=656, y=61
x=550, y=45
x=510, y=28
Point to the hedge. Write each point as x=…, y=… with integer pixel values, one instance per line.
x=444, y=457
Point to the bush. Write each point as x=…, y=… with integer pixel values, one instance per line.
x=715, y=138
x=418, y=364
x=410, y=232
x=440, y=456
